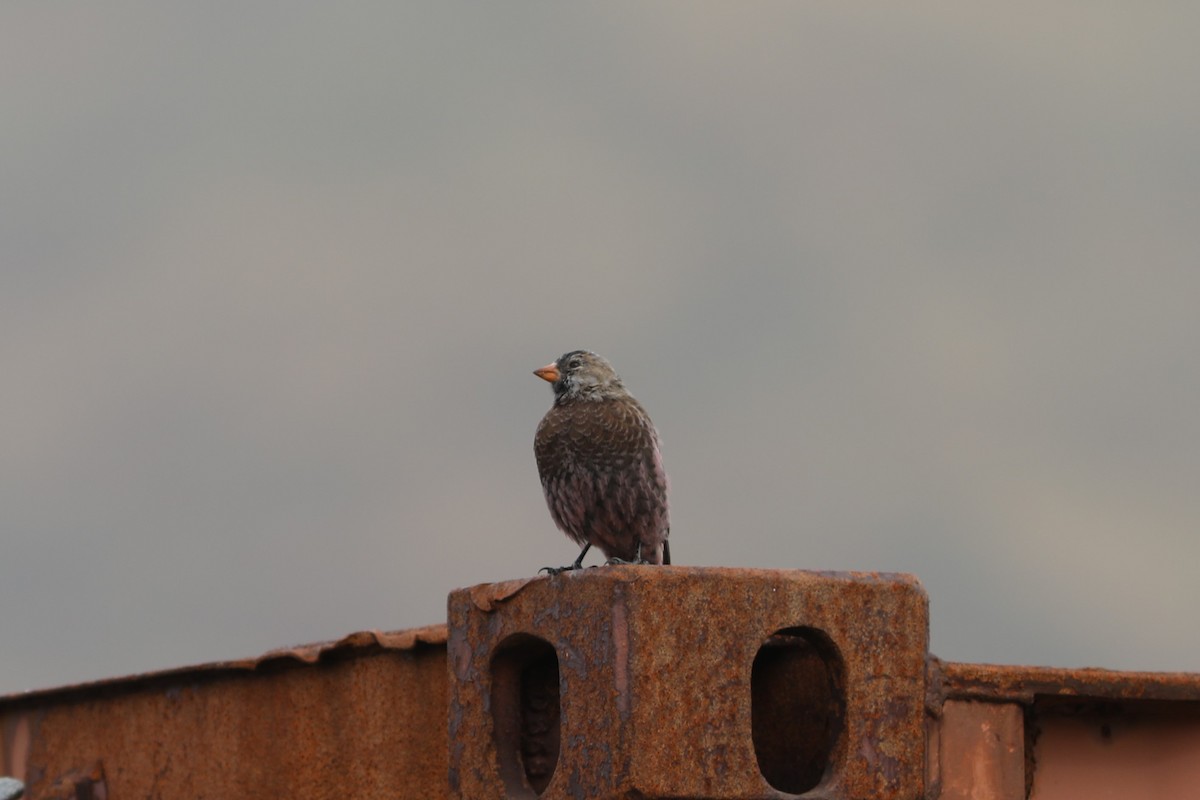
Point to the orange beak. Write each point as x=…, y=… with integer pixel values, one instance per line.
x=548, y=373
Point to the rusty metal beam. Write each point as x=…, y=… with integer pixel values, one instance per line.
x=1083, y=733
x=364, y=717
x=980, y=751
x=995, y=683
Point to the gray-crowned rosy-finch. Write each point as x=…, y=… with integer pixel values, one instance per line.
x=600, y=463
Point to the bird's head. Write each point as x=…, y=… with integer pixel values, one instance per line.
x=580, y=374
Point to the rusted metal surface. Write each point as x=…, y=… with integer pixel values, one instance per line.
x=361, y=717
x=1131, y=750
x=993, y=683
x=351, y=644
x=632, y=682
x=79, y=784
x=980, y=751
x=659, y=682
x=1083, y=733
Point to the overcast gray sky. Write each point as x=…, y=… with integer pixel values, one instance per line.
x=905, y=287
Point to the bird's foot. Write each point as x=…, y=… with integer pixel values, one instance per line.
x=620, y=561
x=637, y=558
x=552, y=571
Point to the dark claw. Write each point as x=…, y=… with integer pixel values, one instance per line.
x=570, y=567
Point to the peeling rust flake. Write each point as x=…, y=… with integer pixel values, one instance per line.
x=487, y=596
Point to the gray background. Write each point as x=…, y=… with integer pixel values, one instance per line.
x=905, y=287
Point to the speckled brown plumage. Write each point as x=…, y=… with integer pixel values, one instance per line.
x=601, y=465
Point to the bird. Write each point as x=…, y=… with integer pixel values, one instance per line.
x=601, y=466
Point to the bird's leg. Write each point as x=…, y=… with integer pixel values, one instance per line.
x=637, y=558
x=570, y=567
x=579, y=560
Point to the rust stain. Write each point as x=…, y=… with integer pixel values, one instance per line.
x=86, y=783
x=982, y=751
x=620, y=658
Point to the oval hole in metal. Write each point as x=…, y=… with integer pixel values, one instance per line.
x=525, y=713
x=797, y=708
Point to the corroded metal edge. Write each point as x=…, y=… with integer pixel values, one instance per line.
x=1022, y=684
x=350, y=646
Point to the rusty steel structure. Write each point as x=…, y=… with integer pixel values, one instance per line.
x=620, y=682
